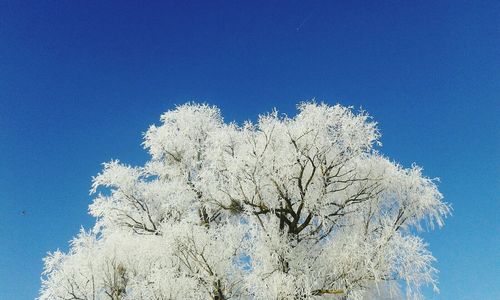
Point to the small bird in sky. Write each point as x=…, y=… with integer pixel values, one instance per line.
x=23, y=212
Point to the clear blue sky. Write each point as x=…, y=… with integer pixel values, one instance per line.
x=81, y=80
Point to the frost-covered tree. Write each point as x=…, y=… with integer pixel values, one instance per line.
x=284, y=208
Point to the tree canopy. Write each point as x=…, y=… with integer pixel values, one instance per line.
x=302, y=207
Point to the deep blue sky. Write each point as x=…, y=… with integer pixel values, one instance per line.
x=80, y=81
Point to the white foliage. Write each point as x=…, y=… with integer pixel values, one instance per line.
x=286, y=208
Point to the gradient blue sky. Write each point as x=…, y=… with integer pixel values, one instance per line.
x=81, y=80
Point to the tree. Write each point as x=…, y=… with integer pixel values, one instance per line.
x=286, y=208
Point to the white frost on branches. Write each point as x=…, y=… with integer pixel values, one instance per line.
x=285, y=208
